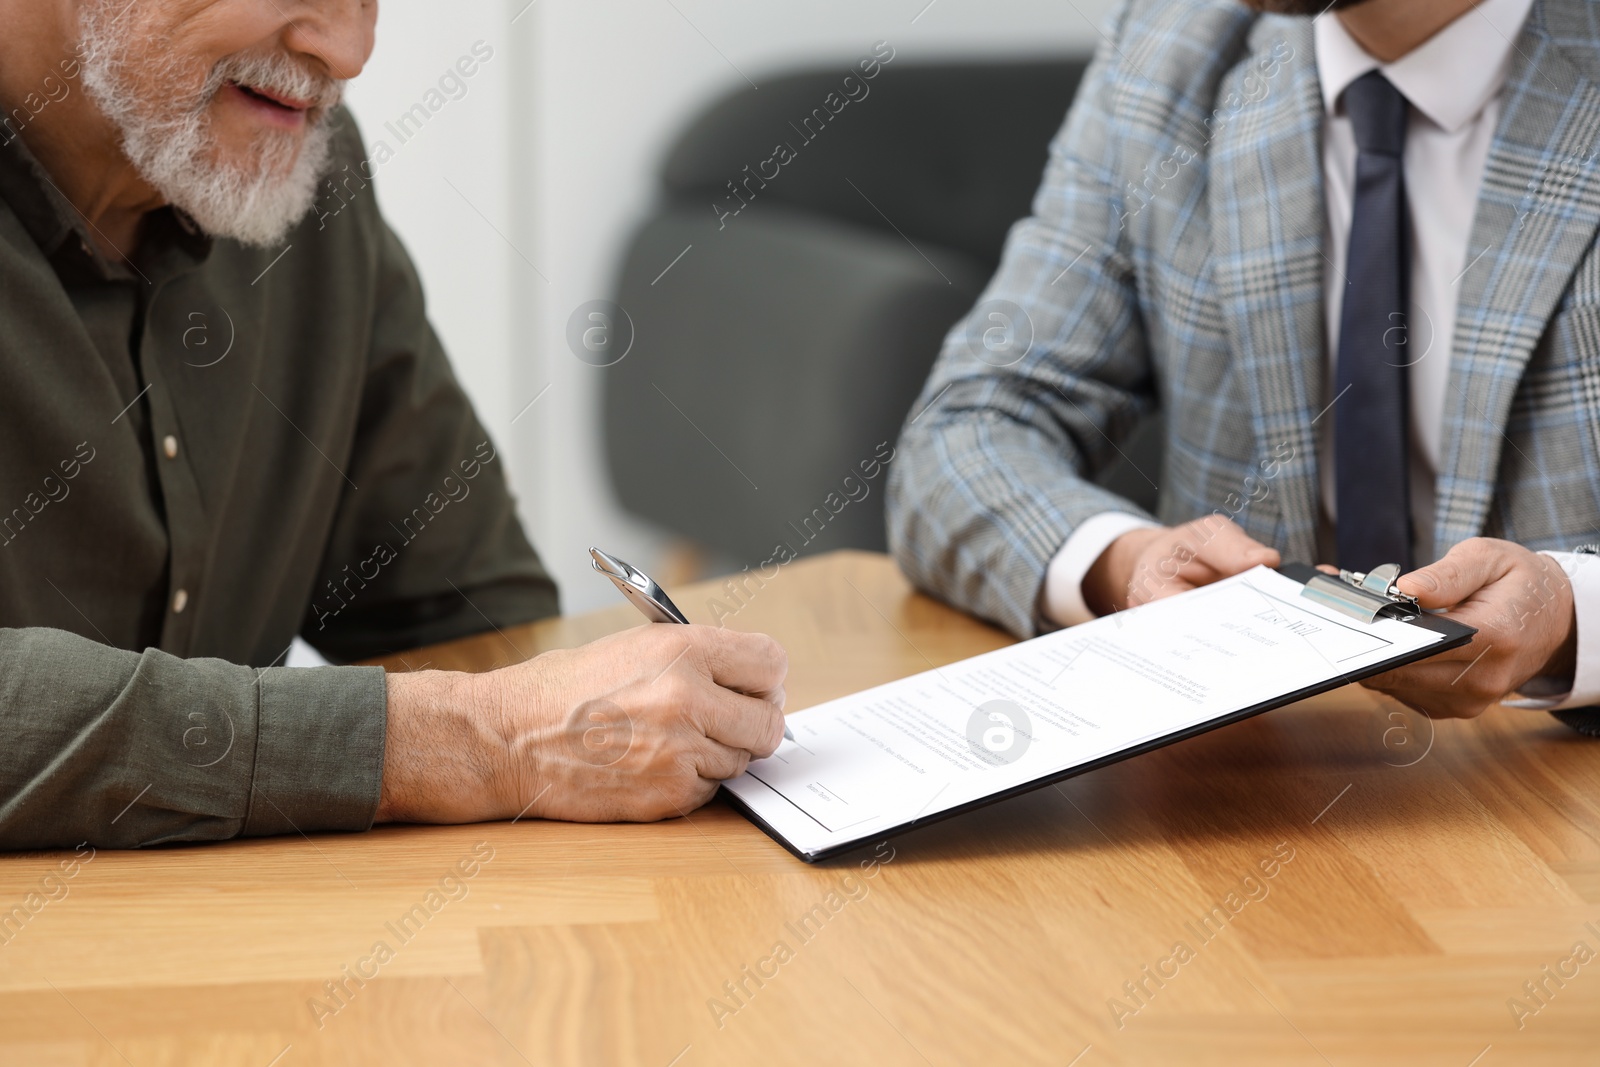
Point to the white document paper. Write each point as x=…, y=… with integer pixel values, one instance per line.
x=887, y=757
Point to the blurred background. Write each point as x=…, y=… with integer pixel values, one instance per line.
x=678, y=383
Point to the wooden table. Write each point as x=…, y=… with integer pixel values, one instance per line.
x=1420, y=876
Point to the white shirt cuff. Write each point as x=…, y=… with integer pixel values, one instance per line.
x=1063, y=579
x=1583, y=571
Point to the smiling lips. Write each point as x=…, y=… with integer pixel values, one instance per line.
x=276, y=108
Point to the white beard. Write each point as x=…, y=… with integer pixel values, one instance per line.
x=171, y=146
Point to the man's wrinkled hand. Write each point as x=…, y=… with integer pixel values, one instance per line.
x=1521, y=604
x=637, y=726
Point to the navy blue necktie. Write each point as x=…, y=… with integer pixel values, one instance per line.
x=1371, y=414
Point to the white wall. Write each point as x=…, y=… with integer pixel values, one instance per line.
x=552, y=153
x=438, y=182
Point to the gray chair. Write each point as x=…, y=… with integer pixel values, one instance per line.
x=773, y=350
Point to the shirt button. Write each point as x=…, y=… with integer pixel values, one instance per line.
x=169, y=445
x=180, y=600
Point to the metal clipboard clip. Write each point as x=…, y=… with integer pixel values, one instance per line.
x=1366, y=596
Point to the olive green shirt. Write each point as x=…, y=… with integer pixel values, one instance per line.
x=206, y=454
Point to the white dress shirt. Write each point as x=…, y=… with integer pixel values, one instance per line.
x=1453, y=82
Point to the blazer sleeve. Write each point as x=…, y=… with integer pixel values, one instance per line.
x=1033, y=389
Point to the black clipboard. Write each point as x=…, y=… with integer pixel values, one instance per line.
x=1364, y=600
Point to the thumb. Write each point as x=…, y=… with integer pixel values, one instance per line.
x=1463, y=571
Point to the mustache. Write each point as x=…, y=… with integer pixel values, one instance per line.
x=277, y=74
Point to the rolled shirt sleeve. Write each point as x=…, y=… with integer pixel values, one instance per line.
x=125, y=749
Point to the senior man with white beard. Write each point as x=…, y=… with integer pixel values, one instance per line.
x=226, y=422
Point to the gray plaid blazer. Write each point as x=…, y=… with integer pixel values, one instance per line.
x=1174, y=259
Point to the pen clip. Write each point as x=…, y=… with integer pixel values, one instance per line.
x=638, y=587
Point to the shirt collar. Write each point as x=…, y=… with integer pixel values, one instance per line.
x=61, y=231
x=25, y=187
x=1450, y=77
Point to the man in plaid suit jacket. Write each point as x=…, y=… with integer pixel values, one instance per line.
x=1177, y=259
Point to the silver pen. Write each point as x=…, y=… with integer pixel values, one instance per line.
x=643, y=593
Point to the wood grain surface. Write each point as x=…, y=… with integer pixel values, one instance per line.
x=1338, y=882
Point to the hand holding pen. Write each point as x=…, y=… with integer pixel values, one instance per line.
x=643, y=593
